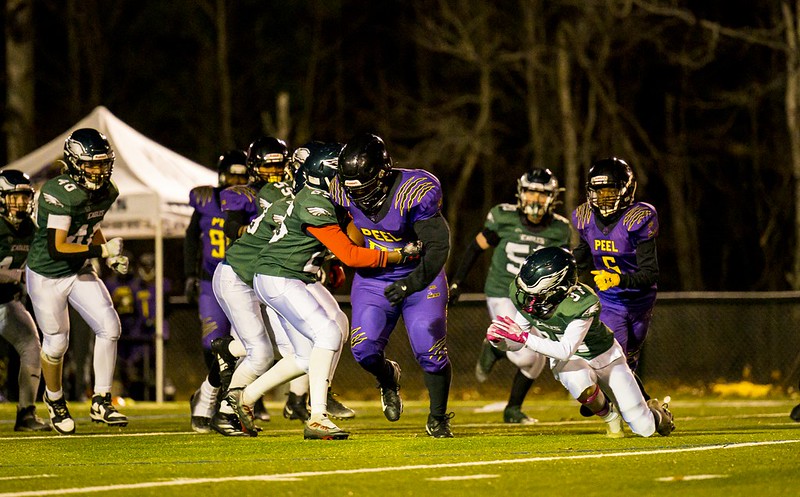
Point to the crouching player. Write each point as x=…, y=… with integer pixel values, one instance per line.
x=559, y=317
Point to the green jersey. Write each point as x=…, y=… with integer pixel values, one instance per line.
x=15, y=242
x=243, y=253
x=518, y=239
x=581, y=303
x=291, y=252
x=63, y=204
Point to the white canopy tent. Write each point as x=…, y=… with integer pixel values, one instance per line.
x=154, y=184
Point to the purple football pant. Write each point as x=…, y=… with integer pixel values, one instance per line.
x=213, y=321
x=424, y=314
x=629, y=327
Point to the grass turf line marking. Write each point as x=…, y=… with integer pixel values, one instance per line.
x=306, y=474
x=458, y=478
x=690, y=477
x=25, y=477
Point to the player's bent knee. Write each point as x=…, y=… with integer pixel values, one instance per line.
x=640, y=420
x=53, y=348
x=302, y=363
x=261, y=359
x=329, y=338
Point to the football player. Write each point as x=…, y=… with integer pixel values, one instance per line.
x=618, y=245
x=392, y=207
x=204, y=247
x=69, y=211
x=16, y=323
x=559, y=317
x=514, y=231
x=284, y=278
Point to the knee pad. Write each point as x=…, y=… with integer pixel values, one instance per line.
x=329, y=337
x=260, y=358
x=110, y=327
x=302, y=363
x=54, y=347
x=432, y=366
x=530, y=363
x=639, y=418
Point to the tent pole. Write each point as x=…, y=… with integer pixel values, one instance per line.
x=159, y=253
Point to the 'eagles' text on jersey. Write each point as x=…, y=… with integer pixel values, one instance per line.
x=63, y=204
x=518, y=240
x=416, y=196
x=15, y=243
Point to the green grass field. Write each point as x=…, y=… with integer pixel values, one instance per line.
x=720, y=448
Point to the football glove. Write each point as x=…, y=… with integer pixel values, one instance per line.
x=605, y=279
x=410, y=252
x=112, y=248
x=397, y=292
x=335, y=277
x=504, y=328
x=118, y=264
x=454, y=293
x=191, y=290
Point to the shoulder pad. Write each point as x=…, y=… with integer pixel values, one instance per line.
x=582, y=215
x=201, y=195
x=637, y=215
x=507, y=207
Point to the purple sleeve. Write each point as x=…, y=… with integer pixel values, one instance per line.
x=425, y=195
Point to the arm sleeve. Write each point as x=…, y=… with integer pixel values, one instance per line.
x=435, y=236
x=583, y=258
x=191, y=246
x=565, y=347
x=345, y=250
x=92, y=252
x=470, y=256
x=234, y=220
x=647, y=260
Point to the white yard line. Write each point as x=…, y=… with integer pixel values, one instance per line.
x=420, y=467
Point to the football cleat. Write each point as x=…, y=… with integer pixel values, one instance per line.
x=103, y=411
x=662, y=415
x=795, y=414
x=228, y=424
x=338, y=410
x=614, y=424
x=200, y=424
x=296, y=407
x=243, y=411
x=322, y=428
x=486, y=361
x=514, y=415
x=60, y=419
x=227, y=361
x=260, y=411
x=391, y=403
x=27, y=420
x=439, y=426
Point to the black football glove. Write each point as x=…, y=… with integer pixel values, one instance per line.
x=192, y=289
x=397, y=292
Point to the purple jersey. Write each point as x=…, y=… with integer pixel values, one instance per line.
x=418, y=196
x=204, y=199
x=614, y=249
x=240, y=198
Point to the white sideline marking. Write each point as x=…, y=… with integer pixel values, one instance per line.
x=468, y=477
x=26, y=477
x=690, y=477
x=306, y=474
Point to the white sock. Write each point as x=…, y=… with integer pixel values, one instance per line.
x=319, y=368
x=284, y=370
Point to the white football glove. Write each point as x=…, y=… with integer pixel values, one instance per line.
x=112, y=248
x=118, y=263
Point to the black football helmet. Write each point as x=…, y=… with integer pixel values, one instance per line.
x=266, y=160
x=364, y=171
x=545, y=279
x=320, y=163
x=89, y=158
x=16, y=195
x=610, y=187
x=541, y=181
x=232, y=168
